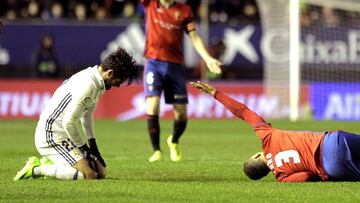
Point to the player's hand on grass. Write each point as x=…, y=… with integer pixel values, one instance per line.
x=214, y=65
x=204, y=87
x=95, y=151
x=86, y=151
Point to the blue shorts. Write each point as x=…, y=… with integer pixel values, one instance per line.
x=170, y=77
x=341, y=156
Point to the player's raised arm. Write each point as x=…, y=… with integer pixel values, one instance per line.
x=212, y=63
x=238, y=109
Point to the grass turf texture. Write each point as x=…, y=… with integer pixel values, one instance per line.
x=211, y=171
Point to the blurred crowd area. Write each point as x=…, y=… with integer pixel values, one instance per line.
x=231, y=12
x=327, y=16
x=44, y=61
x=218, y=10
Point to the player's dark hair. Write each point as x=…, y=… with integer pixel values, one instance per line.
x=123, y=65
x=255, y=171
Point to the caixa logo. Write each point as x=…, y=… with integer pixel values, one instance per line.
x=22, y=104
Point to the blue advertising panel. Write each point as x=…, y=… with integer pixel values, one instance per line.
x=245, y=44
x=73, y=44
x=87, y=44
x=335, y=101
x=242, y=43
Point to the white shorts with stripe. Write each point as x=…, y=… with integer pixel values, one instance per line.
x=56, y=146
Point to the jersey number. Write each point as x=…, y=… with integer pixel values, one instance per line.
x=68, y=144
x=150, y=78
x=283, y=157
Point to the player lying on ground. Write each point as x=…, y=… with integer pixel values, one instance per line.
x=65, y=155
x=295, y=156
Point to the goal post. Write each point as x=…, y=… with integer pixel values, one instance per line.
x=294, y=65
x=275, y=46
x=314, y=66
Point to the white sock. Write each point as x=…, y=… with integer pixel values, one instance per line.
x=62, y=172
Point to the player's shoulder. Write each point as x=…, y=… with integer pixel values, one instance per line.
x=82, y=77
x=82, y=81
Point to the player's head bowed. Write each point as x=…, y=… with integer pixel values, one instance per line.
x=255, y=168
x=123, y=66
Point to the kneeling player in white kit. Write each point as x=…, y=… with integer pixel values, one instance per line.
x=65, y=155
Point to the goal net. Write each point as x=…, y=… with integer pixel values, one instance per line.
x=314, y=61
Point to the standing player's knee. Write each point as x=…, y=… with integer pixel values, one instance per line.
x=180, y=112
x=153, y=105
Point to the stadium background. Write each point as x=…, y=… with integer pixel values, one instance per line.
x=214, y=150
x=84, y=32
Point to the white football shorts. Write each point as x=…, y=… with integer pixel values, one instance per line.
x=56, y=146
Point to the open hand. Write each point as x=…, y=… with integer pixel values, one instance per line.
x=214, y=65
x=204, y=87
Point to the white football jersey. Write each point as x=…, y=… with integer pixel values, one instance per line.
x=74, y=103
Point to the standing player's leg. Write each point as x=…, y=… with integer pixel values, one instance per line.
x=180, y=114
x=176, y=94
x=153, y=84
x=152, y=110
x=179, y=126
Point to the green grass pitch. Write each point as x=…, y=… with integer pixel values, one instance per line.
x=211, y=171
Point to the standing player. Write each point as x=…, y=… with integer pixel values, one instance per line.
x=166, y=20
x=295, y=156
x=58, y=139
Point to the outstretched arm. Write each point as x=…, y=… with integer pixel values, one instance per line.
x=238, y=109
x=212, y=63
x=87, y=122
